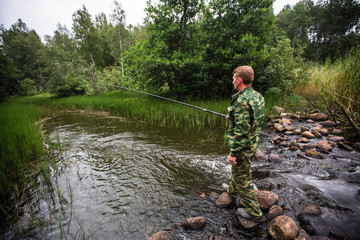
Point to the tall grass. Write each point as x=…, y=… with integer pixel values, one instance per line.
x=20, y=142
x=335, y=84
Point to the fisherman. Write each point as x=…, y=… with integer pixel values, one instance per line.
x=246, y=117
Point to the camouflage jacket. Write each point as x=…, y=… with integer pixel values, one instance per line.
x=246, y=117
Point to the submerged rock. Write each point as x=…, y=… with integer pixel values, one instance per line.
x=193, y=223
x=213, y=196
x=247, y=223
x=305, y=147
x=311, y=210
x=224, y=200
x=303, y=235
x=283, y=228
x=160, y=236
x=312, y=153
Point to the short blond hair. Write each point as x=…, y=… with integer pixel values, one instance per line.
x=246, y=73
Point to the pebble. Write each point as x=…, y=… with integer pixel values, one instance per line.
x=303, y=140
x=312, y=153
x=278, y=127
x=160, y=236
x=318, y=117
x=193, y=223
x=324, y=146
x=307, y=134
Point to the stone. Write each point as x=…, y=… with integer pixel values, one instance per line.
x=317, y=134
x=293, y=148
x=320, y=238
x=285, y=120
x=224, y=200
x=274, y=212
x=310, y=121
x=304, y=129
x=312, y=154
x=259, y=156
x=284, y=144
x=337, y=235
x=278, y=139
x=305, y=147
x=316, y=129
x=307, y=134
x=324, y=146
x=328, y=124
x=247, y=223
x=336, y=138
x=160, y=236
x=279, y=109
x=336, y=131
x=289, y=128
x=266, y=199
x=213, y=196
x=289, y=133
x=274, y=158
x=311, y=210
x=297, y=132
x=283, y=228
x=193, y=223
x=278, y=127
x=303, y=140
x=344, y=146
x=303, y=235
x=318, y=117
x=324, y=131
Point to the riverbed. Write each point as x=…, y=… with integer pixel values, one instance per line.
x=120, y=179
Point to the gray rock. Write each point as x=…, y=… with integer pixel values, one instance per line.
x=193, y=223
x=224, y=200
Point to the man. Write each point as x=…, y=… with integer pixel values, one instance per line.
x=246, y=117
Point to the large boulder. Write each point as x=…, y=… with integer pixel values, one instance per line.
x=160, y=236
x=193, y=223
x=267, y=199
x=283, y=228
x=224, y=200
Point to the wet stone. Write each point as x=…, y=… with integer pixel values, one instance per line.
x=289, y=133
x=312, y=154
x=344, y=146
x=213, y=196
x=336, y=139
x=303, y=235
x=278, y=127
x=324, y=131
x=317, y=134
x=283, y=227
x=274, y=158
x=274, y=212
x=266, y=199
x=224, y=200
x=285, y=120
x=297, y=132
x=336, y=131
x=337, y=235
x=247, y=223
x=303, y=140
x=307, y=134
x=160, y=236
x=284, y=144
x=310, y=121
x=259, y=156
x=324, y=146
x=328, y=124
x=304, y=129
x=306, y=147
x=318, y=117
x=193, y=223
x=320, y=238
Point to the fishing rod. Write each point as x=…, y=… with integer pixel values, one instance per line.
x=172, y=100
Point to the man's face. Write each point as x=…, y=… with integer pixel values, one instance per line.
x=236, y=81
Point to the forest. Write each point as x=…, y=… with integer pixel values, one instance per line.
x=183, y=49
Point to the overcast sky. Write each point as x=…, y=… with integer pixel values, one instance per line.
x=44, y=15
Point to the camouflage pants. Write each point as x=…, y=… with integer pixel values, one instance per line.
x=241, y=185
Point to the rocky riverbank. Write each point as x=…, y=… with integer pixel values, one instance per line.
x=313, y=139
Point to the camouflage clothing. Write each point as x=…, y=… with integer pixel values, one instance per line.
x=246, y=117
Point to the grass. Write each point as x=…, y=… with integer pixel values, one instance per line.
x=335, y=84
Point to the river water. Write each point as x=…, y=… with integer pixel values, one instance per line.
x=118, y=179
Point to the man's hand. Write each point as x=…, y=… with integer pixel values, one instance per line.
x=232, y=160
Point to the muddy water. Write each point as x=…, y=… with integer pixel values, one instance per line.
x=127, y=180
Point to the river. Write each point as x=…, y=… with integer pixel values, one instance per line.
x=118, y=179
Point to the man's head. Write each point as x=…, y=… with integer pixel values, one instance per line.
x=246, y=73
